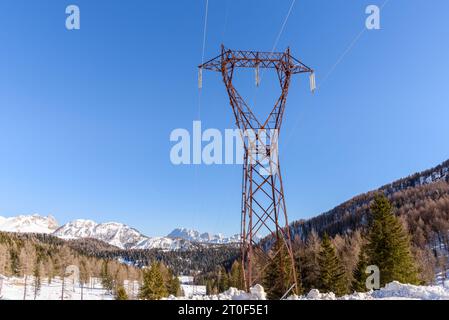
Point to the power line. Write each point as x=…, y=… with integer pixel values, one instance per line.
x=202, y=53
x=276, y=42
x=351, y=45
x=205, y=31
x=283, y=26
x=334, y=66
x=196, y=174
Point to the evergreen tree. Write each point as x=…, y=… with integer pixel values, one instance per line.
x=388, y=245
x=106, y=278
x=223, y=280
x=277, y=278
x=121, y=294
x=236, y=276
x=359, y=282
x=171, y=281
x=153, y=287
x=15, y=261
x=332, y=273
x=174, y=286
x=308, y=266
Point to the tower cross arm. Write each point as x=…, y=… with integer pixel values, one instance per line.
x=256, y=59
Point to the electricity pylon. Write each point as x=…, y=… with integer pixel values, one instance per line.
x=263, y=202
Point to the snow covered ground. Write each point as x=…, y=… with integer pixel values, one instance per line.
x=392, y=291
x=193, y=290
x=189, y=289
x=13, y=289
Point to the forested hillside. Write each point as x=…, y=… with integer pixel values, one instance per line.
x=421, y=201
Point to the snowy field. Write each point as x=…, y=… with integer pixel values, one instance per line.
x=13, y=289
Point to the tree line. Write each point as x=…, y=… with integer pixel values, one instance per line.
x=337, y=264
x=41, y=257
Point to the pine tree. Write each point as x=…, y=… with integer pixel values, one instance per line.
x=106, y=278
x=153, y=287
x=277, y=278
x=332, y=273
x=14, y=261
x=359, y=282
x=171, y=281
x=223, y=280
x=236, y=276
x=389, y=246
x=121, y=294
x=308, y=265
x=174, y=286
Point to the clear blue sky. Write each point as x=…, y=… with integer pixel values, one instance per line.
x=85, y=116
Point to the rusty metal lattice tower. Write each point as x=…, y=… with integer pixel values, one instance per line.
x=263, y=201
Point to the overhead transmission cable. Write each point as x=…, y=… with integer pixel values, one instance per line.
x=200, y=80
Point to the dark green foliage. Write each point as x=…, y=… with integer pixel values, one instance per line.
x=15, y=262
x=236, y=276
x=223, y=280
x=332, y=274
x=388, y=245
x=174, y=286
x=106, y=278
x=307, y=262
x=359, y=282
x=277, y=278
x=121, y=294
x=153, y=286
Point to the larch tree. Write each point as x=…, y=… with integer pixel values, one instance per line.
x=27, y=258
x=84, y=275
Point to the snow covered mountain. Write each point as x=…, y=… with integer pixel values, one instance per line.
x=113, y=233
x=29, y=224
x=195, y=236
x=116, y=234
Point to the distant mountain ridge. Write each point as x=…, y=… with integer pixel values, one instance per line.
x=195, y=236
x=113, y=233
